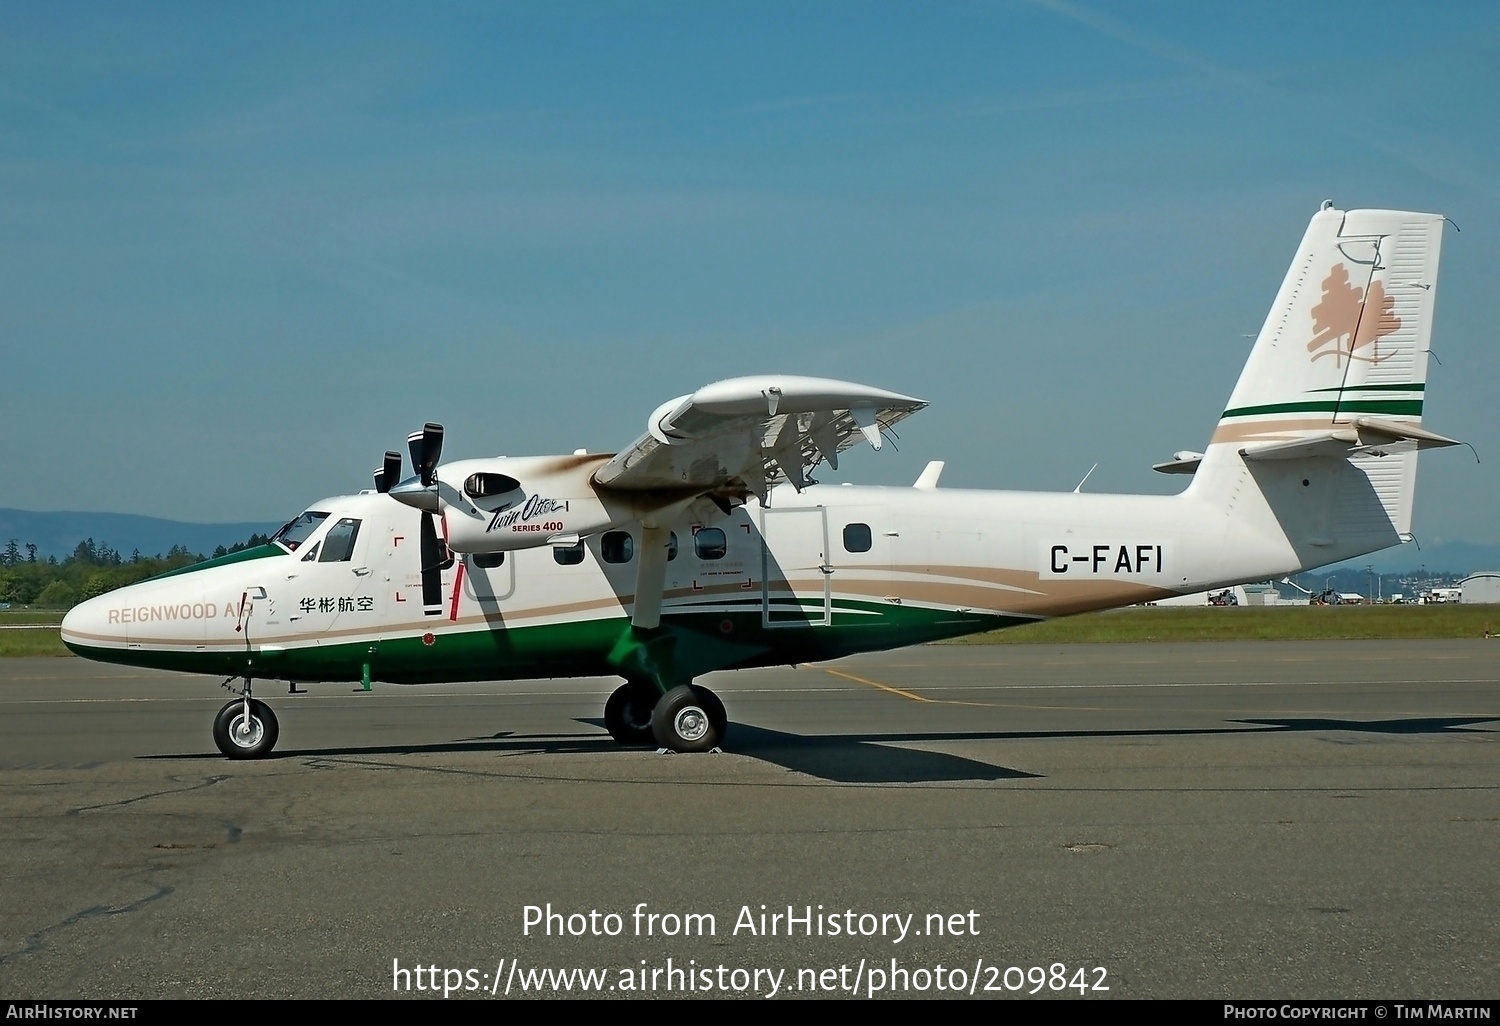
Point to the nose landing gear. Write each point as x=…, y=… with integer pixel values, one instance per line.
x=245, y=728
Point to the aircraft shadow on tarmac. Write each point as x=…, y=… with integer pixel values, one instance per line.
x=843, y=759
x=1428, y=725
x=875, y=758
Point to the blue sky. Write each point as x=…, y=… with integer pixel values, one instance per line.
x=245, y=249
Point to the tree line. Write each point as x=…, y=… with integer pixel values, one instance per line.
x=92, y=570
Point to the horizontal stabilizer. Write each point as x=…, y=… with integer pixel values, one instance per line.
x=1184, y=462
x=1373, y=429
x=1366, y=436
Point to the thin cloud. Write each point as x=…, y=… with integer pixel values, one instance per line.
x=1372, y=136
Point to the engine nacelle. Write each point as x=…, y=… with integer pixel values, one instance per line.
x=521, y=502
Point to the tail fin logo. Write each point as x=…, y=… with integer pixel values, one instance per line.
x=1349, y=319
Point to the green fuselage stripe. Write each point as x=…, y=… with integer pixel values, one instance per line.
x=242, y=556
x=704, y=642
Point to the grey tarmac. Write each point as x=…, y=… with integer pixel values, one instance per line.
x=1217, y=820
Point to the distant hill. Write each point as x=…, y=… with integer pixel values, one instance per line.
x=58, y=534
x=1456, y=557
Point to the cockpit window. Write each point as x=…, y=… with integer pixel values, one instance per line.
x=338, y=544
x=299, y=530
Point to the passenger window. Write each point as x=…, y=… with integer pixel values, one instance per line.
x=617, y=547
x=857, y=538
x=671, y=546
x=489, y=560
x=338, y=545
x=711, y=543
x=568, y=555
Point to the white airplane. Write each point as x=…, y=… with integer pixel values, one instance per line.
x=706, y=545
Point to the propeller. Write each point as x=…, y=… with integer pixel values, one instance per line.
x=426, y=447
x=390, y=473
x=420, y=490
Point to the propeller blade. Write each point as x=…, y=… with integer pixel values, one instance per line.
x=390, y=473
x=433, y=555
x=426, y=448
x=414, y=446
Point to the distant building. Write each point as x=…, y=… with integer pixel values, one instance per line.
x=1481, y=587
x=1263, y=594
x=1234, y=596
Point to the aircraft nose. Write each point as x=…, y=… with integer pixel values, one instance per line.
x=88, y=626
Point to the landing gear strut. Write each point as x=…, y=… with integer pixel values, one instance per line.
x=245, y=728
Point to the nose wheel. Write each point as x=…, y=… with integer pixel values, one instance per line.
x=245, y=729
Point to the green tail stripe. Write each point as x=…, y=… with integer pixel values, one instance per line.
x=1415, y=386
x=1408, y=407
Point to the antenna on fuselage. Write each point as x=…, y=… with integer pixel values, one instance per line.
x=1079, y=489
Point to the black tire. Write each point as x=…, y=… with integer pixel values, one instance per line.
x=238, y=740
x=627, y=718
x=715, y=709
x=681, y=723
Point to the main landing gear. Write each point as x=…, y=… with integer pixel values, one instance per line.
x=245, y=728
x=688, y=718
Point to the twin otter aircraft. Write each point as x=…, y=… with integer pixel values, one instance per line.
x=706, y=545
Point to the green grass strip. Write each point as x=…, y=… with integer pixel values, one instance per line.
x=1248, y=623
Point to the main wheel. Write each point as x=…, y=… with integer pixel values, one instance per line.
x=239, y=738
x=715, y=709
x=627, y=718
x=682, y=724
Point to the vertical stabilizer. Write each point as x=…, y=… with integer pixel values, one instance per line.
x=1348, y=334
x=1324, y=423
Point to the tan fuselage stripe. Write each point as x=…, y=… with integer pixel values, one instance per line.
x=1012, y=591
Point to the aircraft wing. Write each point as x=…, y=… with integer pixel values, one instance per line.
x=746, y=434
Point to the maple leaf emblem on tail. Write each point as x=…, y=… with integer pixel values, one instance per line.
x=1349, y=319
